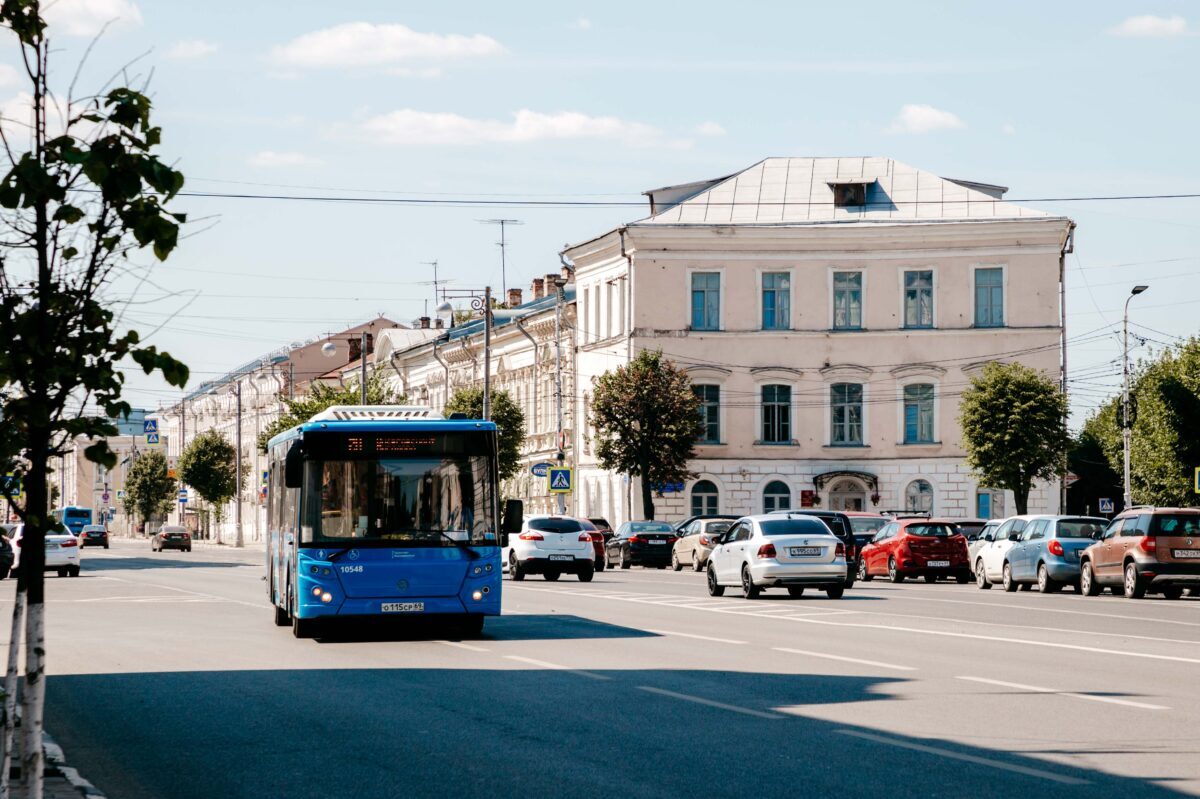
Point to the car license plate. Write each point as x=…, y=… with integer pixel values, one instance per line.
x=562, y=557
x=804, y=552
x=934, y=564
x=403, y=607
x=658, y=542
x=1187, y=553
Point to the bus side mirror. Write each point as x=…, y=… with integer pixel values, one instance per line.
x=293, y=467
x=514, y=517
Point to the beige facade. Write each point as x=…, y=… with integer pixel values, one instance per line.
x=832, y=343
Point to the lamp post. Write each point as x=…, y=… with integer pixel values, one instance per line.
x=1126, y=422
x=483, y=304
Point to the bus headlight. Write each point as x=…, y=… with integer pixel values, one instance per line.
x=477, y=570
x=326, y=597
x=317, y=590
x=478, y=595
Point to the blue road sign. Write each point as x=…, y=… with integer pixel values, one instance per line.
x=559, y=480
x=150, y=426
x=152, y=438
x=667, y=488
x=1106, y=505
x=540, y=469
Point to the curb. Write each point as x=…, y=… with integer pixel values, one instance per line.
x=56, y=759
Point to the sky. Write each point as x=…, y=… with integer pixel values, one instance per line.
x=599, y=102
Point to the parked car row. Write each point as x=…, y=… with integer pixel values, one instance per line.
x=62, y=552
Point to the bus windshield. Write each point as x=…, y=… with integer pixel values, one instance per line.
x=410, y=502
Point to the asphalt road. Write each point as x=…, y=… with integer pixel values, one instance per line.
x=168, y=679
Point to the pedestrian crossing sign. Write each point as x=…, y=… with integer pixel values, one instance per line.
x=559, y=480
x=152, y=438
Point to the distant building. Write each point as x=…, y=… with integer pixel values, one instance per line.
x=830, y=312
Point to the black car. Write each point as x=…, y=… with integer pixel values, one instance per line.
x=641, y=544
x=171, y=536
x=839, y=524
x=93, y=535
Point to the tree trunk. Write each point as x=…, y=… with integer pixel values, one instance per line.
x=10, y=693
x=1021, y=497
x=647, y=500
x=32, y=580
x=33, y=701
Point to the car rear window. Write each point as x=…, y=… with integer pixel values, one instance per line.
x=716, y=528
x=651, y=527
x=555, y=525
x=1080, y=528
x=1175, y=524
x=970, y=528
x=936, y=530
x=866, y=524
x=793, y=527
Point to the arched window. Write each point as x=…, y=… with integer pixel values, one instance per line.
x=776, y=496
x=704, y=498
x=919, y=496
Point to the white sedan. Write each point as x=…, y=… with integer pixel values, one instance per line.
x=62, y=552
x=760, y=552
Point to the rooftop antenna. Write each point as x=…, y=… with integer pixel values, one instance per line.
x=503, y=246
x=436, y=282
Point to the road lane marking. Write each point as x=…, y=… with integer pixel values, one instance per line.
x=556, y=667
x=460, y=645
x=979, y=761
x=1036, y=690
x=1072, y=630
x=844, y=659
x=261, y=605
x=710, y=703
x=699, y=637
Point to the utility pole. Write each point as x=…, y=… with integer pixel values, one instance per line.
x=503, y=247
x=362, y=380
x=558, y=398
x=237, y=462
x=1126, y=422
x=487, y=353
x=182, y=445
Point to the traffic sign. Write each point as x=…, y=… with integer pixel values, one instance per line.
x=1106, y=505
x=150, y=426
x=152, y=438
x=183, y=496
x=105, y=497
x=12, y=484
x=559, y=480
x=266, y=476
x=540, y=469
x=1196, y=478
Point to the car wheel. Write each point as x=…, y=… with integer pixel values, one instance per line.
x=962, y=579
x=1172, y=592
x=73, y=571
x=1193, y=592
x=981, y=580
x=189, y=549
x=894, y=573
x=599, y=567
x=714, y=589
x=1046, y=583
x=697, y=564
x=1135, y=587
x=625, y=561
x=62, y=572
x=675, y=564
x=1006, y=579
x=106, y=546
x=931, y=578
x=1087, y=580
x=515, y=571
x=835, y=591
x=749, y=589
x=551, y=575
x=796, y=591
x=586, y=573
x=863, y=574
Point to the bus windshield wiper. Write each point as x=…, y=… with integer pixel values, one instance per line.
x=463, y=545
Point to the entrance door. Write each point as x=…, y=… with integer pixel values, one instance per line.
x=847, y=495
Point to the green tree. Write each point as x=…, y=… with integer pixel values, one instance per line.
x=88, y=194
x=321, y=396
x=208, y=465
x=148, y=488
x=1013, y=428
x=647, y=420
x=1165, y=446
x=509, y=419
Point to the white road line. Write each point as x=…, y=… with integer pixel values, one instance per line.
x=262, y=605
x=556, y=667
x=698, y=637
x=1036, y=690
x=844, y=659
x=710, y=703
x=460, y=645
x=979, y=761
x=1070, y=630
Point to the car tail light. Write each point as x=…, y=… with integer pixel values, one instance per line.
x=840, y=549
x=1149, y=545
x=531, y=536
x=704, y=541
x=850, y=550
x=766, y=551
x=585, y=536
x=19, y=541
x=636, y=539
x=1055, y=548
x=670, y=539
x=69, y=543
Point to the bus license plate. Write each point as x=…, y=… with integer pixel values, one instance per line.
x=806, y=552
x=403, y=607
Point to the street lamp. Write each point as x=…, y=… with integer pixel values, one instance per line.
x=483, y=304
x=1126, y=422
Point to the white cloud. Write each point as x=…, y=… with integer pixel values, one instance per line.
x=920, y=118
x=269, y=159
x=192, y=48
x=363, y=44
x=1008, y=128
x=409, y=127
x=9, y=76
x=710, y=128
x=1149, y=26
x=88, y=17
x=583, y=24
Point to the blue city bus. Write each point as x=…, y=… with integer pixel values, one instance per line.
x=384, y=511
x=73, y=518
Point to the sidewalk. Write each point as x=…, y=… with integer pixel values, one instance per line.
x=59, y=780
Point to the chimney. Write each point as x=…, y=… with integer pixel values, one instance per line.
x=539, y=288
x=514, y=298
x=437, y=323
x=424, y=322
x=550, y=278
x=566, y=273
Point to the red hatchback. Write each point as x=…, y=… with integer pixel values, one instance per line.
x=597, y=536
x=931, y=548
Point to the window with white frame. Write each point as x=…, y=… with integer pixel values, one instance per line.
x=710, y=413
x=918, y=298
x=705, y=498
x=919, y=496
x=918, y=413
x=847, y=300
x=776, y=496
x=846, y=414
x=776, y=414
x=989, y=297
x=776, y=301
x=706, y=301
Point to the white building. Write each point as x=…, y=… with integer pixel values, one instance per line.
x=830, y=312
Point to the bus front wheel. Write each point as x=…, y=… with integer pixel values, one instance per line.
x=281, y=617
x=303, y=628
x=472, y=626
